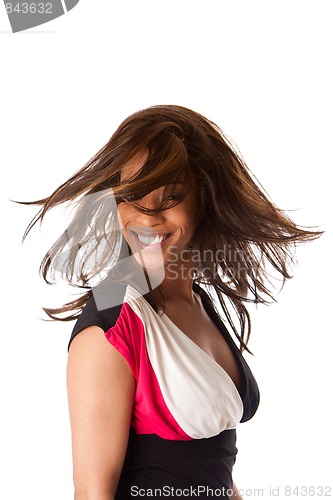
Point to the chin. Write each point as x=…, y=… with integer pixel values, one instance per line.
x=152, y=270
x=150, y=260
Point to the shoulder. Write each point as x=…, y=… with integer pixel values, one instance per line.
x=93, y=316
x=119, y=325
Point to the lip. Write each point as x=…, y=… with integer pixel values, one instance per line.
x=149, y=232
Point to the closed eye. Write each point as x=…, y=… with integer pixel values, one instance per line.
x=169, y=197
x=131, y=197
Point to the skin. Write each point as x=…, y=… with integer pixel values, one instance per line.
x=179, y=221
x=99, y=406
x=236, y=495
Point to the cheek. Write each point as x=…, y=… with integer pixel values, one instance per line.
x=188, y=213
x=186, y=219
x=123, y=215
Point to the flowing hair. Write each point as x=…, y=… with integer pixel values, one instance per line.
x=243, y=240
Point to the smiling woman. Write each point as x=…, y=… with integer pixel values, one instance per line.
x=154, y=230
x=170, y=230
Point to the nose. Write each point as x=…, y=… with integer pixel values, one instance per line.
x=150, y=202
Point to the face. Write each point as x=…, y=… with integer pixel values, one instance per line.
x=160, y=237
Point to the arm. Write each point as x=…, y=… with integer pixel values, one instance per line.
x=236, y=495
x=100, y=389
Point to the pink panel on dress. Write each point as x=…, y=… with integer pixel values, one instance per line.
x=150, y=413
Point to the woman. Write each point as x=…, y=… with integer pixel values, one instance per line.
x=170, y=230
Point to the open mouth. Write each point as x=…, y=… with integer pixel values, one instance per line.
x=150, y=240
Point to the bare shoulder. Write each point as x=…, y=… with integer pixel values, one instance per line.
x=97, y=373
x=90, y=345
x=101, y=391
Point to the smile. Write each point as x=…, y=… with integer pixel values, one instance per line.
x=150, y=240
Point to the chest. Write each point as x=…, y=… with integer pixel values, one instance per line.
x=200, y=329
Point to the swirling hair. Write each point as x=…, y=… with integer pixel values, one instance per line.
x=242, y=237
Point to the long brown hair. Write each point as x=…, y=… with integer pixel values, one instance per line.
x=242, y=237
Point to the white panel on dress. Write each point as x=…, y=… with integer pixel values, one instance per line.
x=199, y=393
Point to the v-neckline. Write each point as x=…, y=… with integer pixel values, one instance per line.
x=241, y=393
x=208, y=356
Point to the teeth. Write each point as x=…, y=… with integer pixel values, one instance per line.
x=151, y=240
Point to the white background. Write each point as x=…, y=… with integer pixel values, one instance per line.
x=263, y=71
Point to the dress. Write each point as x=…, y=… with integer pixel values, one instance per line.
x=182, y=439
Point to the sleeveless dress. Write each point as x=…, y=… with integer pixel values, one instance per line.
x=182, y=439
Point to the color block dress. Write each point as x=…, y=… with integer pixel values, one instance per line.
x=182, y=439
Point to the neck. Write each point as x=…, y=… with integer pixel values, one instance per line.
x=178, y=281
